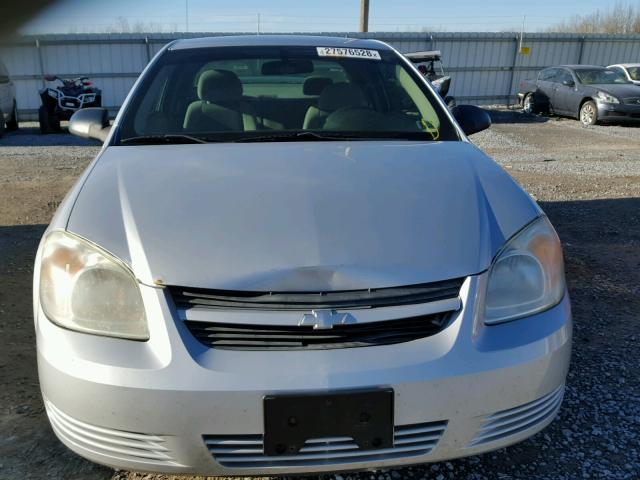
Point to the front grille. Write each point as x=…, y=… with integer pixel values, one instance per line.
x=246, y=451
x=305, y=337
x=515, y=420
x=186, y=298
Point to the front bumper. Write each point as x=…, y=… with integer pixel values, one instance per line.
x=618, y=112
x=150, y=406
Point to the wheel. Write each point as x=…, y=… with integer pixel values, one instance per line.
x=43, y=119
x=529, y=105
x=588, y=113
x=54, y=123
x=12, y=124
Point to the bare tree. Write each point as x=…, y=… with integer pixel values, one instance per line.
x=122, y=25
x=621, y=19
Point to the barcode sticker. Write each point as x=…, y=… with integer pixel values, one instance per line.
x=348, y=52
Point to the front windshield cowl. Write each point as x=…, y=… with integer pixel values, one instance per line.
x=266, y=93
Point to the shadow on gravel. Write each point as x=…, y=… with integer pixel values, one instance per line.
x=31, y=137
x=515, y=116
x=595, y=432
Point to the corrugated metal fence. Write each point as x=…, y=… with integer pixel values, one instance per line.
x=486, y=67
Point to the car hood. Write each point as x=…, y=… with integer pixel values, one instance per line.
x=621, y=90
x=300, y=216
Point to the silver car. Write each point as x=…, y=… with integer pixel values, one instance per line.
x=288, y=258
x=8, y=107
x=631, y=71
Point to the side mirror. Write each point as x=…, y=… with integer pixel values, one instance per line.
x=568, y=83
x=472, y=119
x=90, y=123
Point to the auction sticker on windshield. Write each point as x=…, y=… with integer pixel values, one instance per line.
x=348, y=52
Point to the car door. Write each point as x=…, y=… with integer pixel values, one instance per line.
x=565, y=93
x=545, y=85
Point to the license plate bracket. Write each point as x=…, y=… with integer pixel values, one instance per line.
x=364, y=415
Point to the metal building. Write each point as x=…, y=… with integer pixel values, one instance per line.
x=486, y=67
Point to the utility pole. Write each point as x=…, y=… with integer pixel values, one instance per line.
x=364, y=15
x=258, y=25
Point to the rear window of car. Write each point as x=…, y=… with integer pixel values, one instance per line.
x=548, y=74
x=255, y=83
x=233, y=92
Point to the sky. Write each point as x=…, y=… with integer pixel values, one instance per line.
x=84, y=16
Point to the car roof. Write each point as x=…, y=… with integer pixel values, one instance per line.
x=277, y=40
x=579, y=67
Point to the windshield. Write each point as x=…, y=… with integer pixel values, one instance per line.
x=600, y=76
x=634, y=73
x=274, y=93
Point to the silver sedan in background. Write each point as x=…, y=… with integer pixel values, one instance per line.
x=630, y=70
x=8, y=106
x=289, y=258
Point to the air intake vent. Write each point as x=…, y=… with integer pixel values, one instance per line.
x=246, y=451
x=116, y=444
x=185, y=298
x=515, y=420
x=305, y=337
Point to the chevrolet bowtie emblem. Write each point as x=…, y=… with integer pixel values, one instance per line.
x=326, y=319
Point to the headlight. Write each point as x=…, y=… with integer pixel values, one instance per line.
x=85, y=289
x=527, y=276
x=52, y=93
x=606, y=98
x=88, y=98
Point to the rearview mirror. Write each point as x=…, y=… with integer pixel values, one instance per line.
x=471, y=119
x=90, y=123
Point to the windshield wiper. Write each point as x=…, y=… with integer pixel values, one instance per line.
x=300, y=136
x=162, y=139
x=273, y=137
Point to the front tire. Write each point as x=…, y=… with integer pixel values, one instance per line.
x=529, y=104
x=43, y=119
x=588, y=113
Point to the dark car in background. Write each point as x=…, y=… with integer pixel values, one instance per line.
x=589, y=93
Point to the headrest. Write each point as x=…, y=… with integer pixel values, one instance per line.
x=340, y=95
x=315, y=85
x=219, y=86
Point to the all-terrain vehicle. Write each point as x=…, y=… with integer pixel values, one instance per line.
x=61, y=101
x=429, y=63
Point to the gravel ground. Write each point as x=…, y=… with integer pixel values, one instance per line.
x=586, y=179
